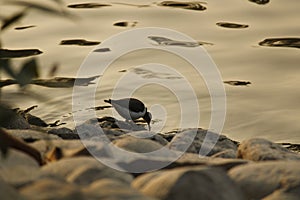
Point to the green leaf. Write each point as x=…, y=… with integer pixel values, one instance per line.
x=28, y=72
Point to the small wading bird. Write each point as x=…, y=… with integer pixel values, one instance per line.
x=131, y=109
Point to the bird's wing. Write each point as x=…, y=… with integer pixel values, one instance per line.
x=134, y=105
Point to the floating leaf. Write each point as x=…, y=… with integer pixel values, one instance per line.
x=195, y=5
x=7, y=53
x=125, y=24
x=13, y=19
x=28, y=72
x=80, y=42
x=238, y=83
x=281, y=42
x=232, y=25
x=169, y=42
x=260, y=2
x=24, y=27
x=87, y=5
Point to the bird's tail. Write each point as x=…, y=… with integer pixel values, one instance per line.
x=107, y=101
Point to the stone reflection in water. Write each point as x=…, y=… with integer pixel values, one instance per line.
x=261, y=2
x=169, y=42
x=80, y=42
x=281, y=42
x=148, y=74
x=125, y=24
x=7, y=53
x=232, y=25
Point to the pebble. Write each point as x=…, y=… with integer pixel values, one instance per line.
x=188, y=183
x=214, y=143
x=259, y=180
x=258, y=149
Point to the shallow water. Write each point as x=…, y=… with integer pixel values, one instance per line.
x=268, y=107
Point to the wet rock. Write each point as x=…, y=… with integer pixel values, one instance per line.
x=199, y=141
x=83, y=170
x=29, y=135
x=112, y=189
x=8, y=192
x=137, y=145
x=51, y=189
x=287, y=194
x=258, y=149
x=258, y=180
x=18, y=168
x=71, y=148
x=188, y=183
x=64, y=133
x=149, y=135
x=225, y=154
x=17, y=122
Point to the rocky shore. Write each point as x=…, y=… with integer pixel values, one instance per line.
x=252, y=169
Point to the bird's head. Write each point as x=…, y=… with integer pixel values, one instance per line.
x=147, y=117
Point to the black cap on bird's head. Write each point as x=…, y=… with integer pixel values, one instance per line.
x=147, y=117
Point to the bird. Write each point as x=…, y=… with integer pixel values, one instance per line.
x=131, y=109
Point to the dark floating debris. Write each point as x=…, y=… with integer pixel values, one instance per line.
x=125, y=24
x=169, y=42
x=102, y=50
x=123, y=70
x=80, y=42
x=281, y=42
x=87, y=5
x=57, y=82
x=101, y=107
x=238, y=83
x=193, y=5
x=260, y=2
x=232, y=25
x=24, y=27
x=7, y=53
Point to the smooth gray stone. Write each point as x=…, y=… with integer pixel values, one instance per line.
x=191, y=183
x=259, y=180
x=18, y=168
x=258, y=149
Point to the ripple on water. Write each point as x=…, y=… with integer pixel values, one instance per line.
x=87, y=5
x=193, y=5
x=232, y=25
